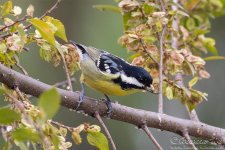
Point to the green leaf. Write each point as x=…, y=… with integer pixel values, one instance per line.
x=6, y=8
x=212, y=49
x=148, y=9
x=126, y=18
x=196, y=98
x=192, y=82
x=107, y=7
x=76, y=138
x=58, y=27
x=159, y=26
x=169, y=92
x=46, y=55
x=190, y=23
x=44, y=29
x=60, y=32
x=191, y=106
x=8, y=116
x=49, y=103
x=3, y=48
x=221, y=12
x=55, y=141
x=25, y=134
x=209, y=43
x=130, y=58
x=214, y=58
x=98, y=140
x=198, y=32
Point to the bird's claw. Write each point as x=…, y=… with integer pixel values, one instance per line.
x=79, y=102
x=109, y=106
x=81, y=98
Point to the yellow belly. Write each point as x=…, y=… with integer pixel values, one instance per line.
x=107, y=87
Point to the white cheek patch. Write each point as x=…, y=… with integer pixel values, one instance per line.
x=131, y=80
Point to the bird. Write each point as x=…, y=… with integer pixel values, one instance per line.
x=110, y=74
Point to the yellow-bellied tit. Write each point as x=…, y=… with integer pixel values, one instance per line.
x=110, y=74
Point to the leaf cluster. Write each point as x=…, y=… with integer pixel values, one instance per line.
x=184, y=44
x=23, y=124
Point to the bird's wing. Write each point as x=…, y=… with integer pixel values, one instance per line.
x=93, y=53
x=110, y=64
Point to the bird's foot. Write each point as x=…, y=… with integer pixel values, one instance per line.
x=81, y=98
x=109, y=106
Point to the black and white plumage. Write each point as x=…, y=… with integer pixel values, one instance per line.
x=130, y=76
x=110, y=74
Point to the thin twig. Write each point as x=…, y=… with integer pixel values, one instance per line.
x=20, y=93
x=61, y=125
x=162, y=5
x=98, y=117
x=151, y=137
x=193, y=114
x=59, y=85
x=145, y=49
x=22, y=69
x=63, y=83
x=175, y=27
x=10, y=25
x=70, y=87
x=160, y=105
x=189, y=140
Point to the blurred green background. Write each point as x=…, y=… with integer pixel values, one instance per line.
x=89, y=26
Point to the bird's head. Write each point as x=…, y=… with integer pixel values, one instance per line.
x=145, y=79
x=139, y=77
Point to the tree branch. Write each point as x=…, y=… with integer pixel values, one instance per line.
x=69, y=82
x=63, y=83
x=160, y=105
x=187, y=137
x=161, y=39
x=151, y=137
x=122, y=113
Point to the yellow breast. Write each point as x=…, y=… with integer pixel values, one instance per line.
x=107, y=87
